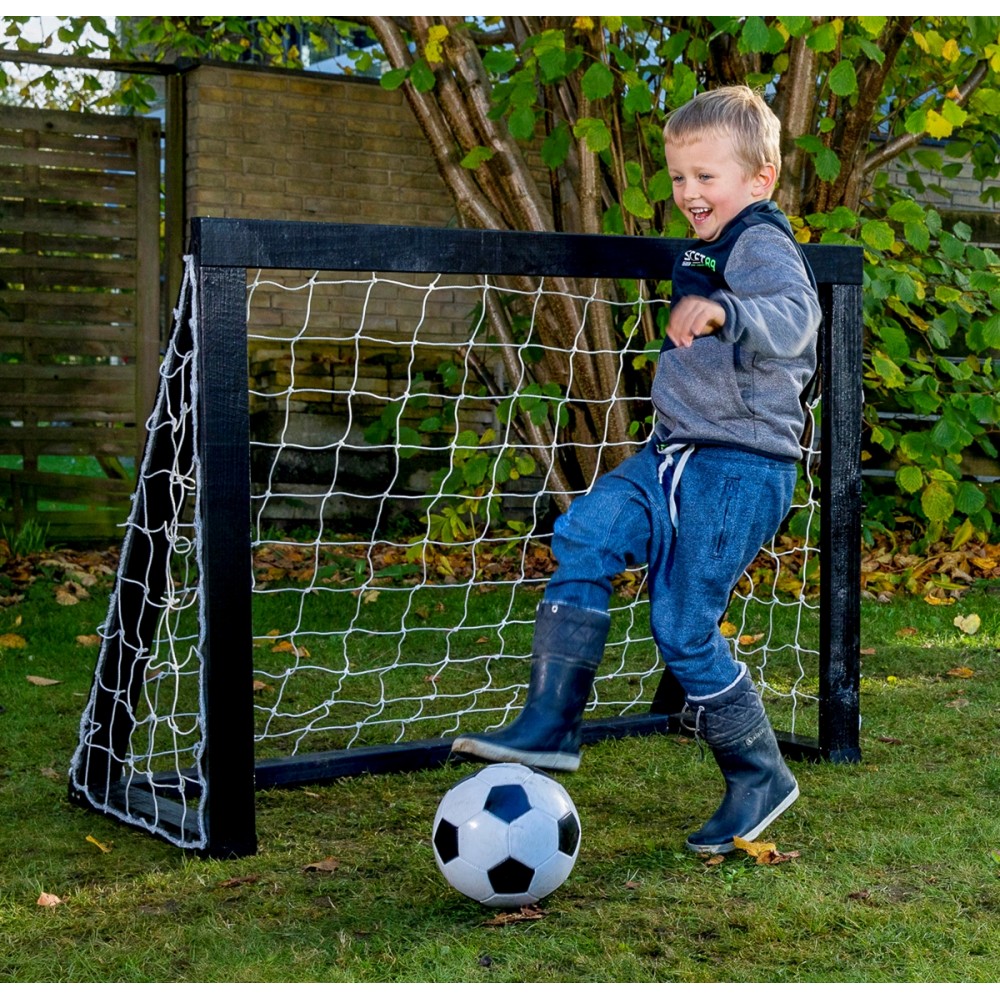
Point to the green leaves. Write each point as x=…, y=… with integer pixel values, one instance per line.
x=878, y=235
x=594, y=132
x=826, y=161
x=597, y=82
x=843, y=80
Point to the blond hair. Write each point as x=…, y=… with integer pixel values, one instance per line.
x=737, y=112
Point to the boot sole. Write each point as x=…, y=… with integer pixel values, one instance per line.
x=727, y=846
x=495, y=753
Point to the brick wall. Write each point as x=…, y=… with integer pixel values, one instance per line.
x=283, y=145
x=269, y=144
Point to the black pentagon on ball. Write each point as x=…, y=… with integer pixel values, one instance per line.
x=510, y=877
x=507, y=802
x=569, y=834
x=446, y=841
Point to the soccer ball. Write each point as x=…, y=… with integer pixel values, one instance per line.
x=506, y=836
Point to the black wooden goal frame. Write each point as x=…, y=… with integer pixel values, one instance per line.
x=222, y=252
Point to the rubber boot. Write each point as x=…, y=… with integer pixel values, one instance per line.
x=759, y=785
x=567, y=648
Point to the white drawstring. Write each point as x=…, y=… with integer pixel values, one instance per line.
x=669, y=453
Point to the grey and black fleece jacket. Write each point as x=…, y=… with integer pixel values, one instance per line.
x=741, y=387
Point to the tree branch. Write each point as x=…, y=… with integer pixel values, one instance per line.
x=894, y=147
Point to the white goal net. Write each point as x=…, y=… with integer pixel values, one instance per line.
x=412, y=437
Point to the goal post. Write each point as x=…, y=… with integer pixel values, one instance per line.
x=196, y=704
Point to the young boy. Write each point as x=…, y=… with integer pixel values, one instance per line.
x=710, y=488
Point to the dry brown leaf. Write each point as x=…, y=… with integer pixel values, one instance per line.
x=104, y=848
x=764, y=853
x=51, y=772
x=232, y=883
x=889, y=739
x=41, y=681
x=867, y=651
x=906, y=630
x=259, y=685
x=11, y=640
x=931, y=599
x=958, y=703
x=961, y=671
x=49, y=899
x=65, y=598
x=289, y=647
x=969, y=624
x=89, y=640
x=515, y=916
x=326, y=865
x=482, y=639
x=715, y=859
x=749, y=640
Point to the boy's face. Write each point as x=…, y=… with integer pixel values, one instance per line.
x=711, y=186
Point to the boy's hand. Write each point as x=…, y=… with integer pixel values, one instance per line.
x=692, y=317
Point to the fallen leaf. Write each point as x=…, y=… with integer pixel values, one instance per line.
x=51, y=772
x=860, y=894
x=41, y=681
x=49, y=899
x=13, y=641
x=289, y=647
x=482, y=639
x=749, y=640
x=907, y=630
x=432, y=678
x=867, y=651
x=958, y=703
x=969, y=624
x=632, y=885
x=764, y=853
x=962, y=671
x=931, y=599
x=232, y=883
x=104, y=849
x=728, y=630
x=89, y=640
x=259, y=685
x=65, y=598
x=515, y=916
x=326, y=865
x=889, y=739
x=715, y=859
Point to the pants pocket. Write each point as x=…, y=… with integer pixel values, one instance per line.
x=728, y=514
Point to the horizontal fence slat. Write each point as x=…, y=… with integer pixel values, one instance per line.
x=75, y=123
x=83, y=334
x=71, y=220
x=83, y=245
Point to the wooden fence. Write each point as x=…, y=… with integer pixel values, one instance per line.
x=79, y=315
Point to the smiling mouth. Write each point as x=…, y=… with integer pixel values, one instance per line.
x=700, y=214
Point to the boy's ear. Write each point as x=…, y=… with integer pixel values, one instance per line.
x=765, y=179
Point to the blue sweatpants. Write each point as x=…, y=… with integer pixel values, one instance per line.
x=728, y=504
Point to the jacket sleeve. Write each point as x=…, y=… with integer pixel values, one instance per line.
x=771, y=307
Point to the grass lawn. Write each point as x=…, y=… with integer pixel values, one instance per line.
x=897, y=877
